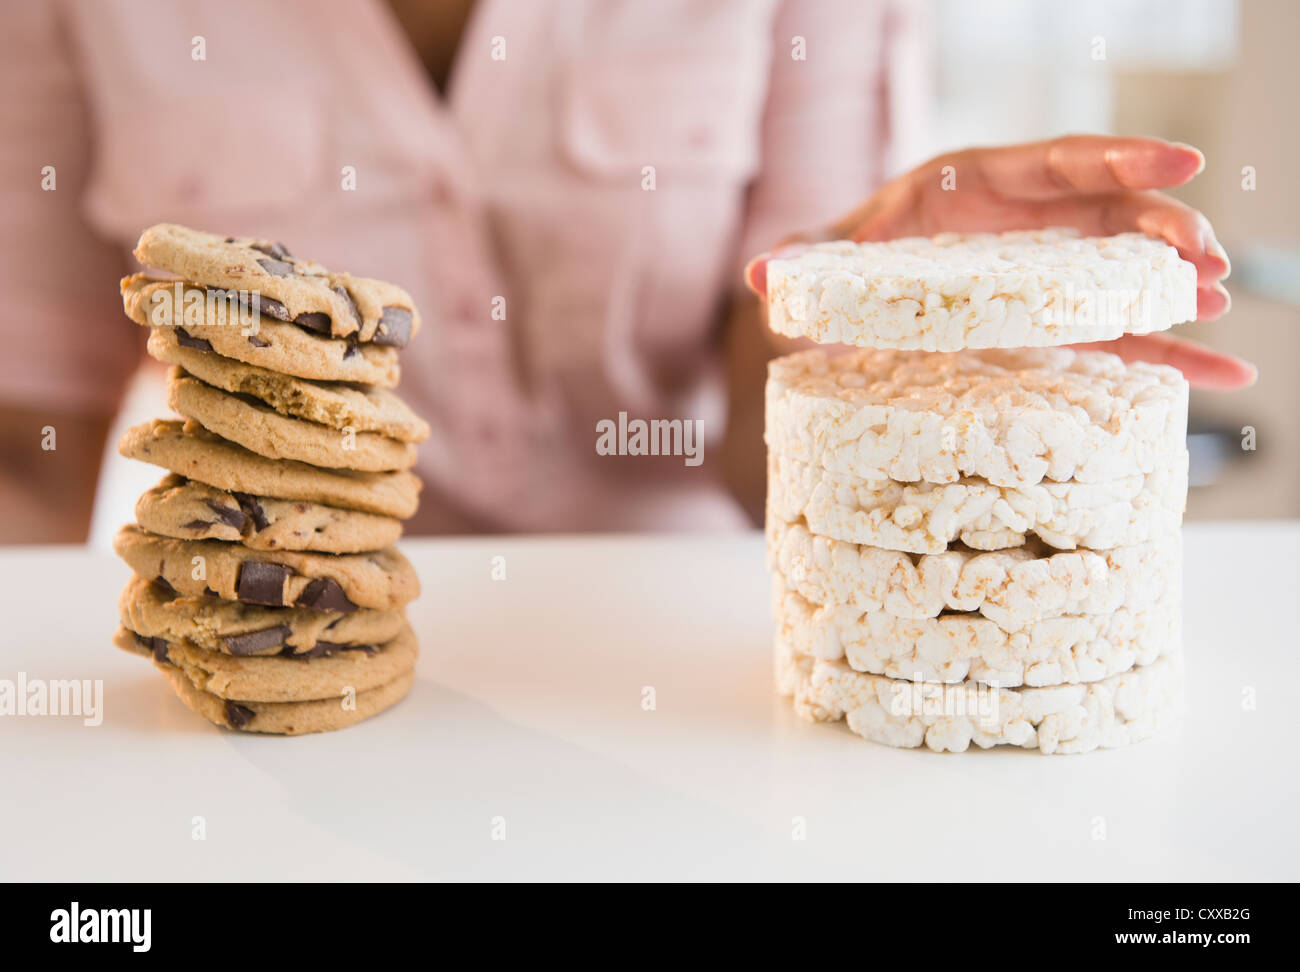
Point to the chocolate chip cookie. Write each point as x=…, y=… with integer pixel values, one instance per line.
x=287, y=718
x=288, y=289
x=267, y=588
x=155, y=610
x=277, y=678
x=258, y=427
x=189, y=450
x=334, y=404
x=216, y=326
x=337, y=583
x=190, y=510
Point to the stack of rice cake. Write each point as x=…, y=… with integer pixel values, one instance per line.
x=973, y=536
x=267, y=588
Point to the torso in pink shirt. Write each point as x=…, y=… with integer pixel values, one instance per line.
x=571, y=221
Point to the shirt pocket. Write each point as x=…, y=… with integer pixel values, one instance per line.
x=208, y=160
x=690, y=111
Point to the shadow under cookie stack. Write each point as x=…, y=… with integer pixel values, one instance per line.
x=267, y=587
x=975, y=536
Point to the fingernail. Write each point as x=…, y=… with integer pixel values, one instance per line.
x=1200, y=156
x=1215, y=249
x=752, y=268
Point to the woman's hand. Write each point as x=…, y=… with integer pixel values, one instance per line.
x=1100, y=185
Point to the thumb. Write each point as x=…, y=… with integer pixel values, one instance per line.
x=756, y=269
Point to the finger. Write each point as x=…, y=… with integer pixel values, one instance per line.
x=1069, y=166
x=1080, y=165
x=1212, y=302
x=755, y=271
x=1178, y=224
x=1152, y=213
x=1202, y=366
x=892, y=212
x=756, y=274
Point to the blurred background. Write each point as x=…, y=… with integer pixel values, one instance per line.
x=1218, y=74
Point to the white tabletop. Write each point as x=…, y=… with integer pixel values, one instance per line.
x=527, y=720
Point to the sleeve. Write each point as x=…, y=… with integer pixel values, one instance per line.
x=66, y=344
x=847, y=102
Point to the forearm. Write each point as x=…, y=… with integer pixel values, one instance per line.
x=49, y=464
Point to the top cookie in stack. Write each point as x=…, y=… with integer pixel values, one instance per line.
x=267, y=587
x=983, y=545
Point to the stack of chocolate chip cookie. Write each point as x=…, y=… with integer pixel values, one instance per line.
x=972, y=542
x=267, y=587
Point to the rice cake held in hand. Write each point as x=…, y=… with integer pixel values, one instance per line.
x=1020, y=289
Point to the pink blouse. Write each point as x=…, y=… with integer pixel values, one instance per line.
x=571, y=220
